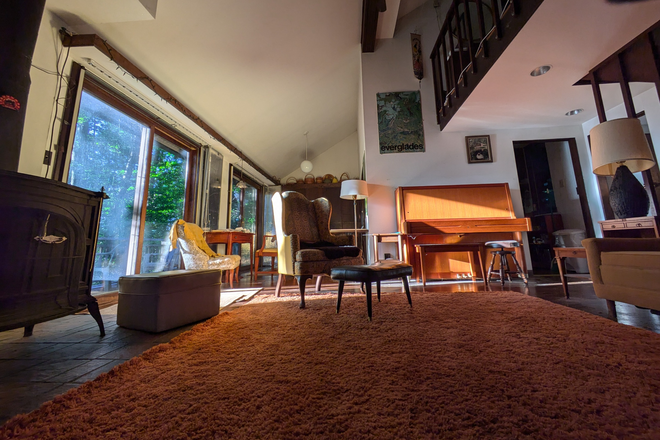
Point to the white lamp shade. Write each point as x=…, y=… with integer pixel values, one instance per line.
x=306, y=166
x=351, y=188
x=619, y=142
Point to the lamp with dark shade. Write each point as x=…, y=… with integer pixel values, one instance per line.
x=619, y=148
x=354, y=190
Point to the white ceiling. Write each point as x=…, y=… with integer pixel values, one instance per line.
x=571, y=35
x=261, y=73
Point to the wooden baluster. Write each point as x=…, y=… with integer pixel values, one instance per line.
x=482, y=28
x=497, y=19
x=443, y=45
x=459, y=50
x=469, y=36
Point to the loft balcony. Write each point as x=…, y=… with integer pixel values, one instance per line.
x=474, y=35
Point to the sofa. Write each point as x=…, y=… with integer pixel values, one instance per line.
x=625, y=270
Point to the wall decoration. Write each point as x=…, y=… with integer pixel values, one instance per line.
x=418, y=65
x=478, y=149
x=400, y=123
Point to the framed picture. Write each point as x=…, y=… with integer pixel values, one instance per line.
x=478, y=149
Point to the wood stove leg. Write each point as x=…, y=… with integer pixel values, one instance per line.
x=93, y=307
x=28, y=330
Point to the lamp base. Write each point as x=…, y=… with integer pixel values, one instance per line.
x=628, y=197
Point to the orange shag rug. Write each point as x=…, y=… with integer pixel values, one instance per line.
x=456, y=365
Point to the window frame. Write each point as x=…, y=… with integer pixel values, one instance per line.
x=97, y=89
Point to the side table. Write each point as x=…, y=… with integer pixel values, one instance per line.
x=561, y=253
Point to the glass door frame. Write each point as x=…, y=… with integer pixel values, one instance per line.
x=100, y=92
x=235, y=173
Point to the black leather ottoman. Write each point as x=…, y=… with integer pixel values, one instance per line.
x=377, y=272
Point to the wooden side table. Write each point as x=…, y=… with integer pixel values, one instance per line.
x=561, y=253
x=645, y=227
x=229, y=238
x=392, y=237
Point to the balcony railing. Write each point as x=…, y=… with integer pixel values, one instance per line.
x=474, y=35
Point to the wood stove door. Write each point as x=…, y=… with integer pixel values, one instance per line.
x=41, y=262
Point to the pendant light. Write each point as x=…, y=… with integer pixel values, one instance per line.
x=306, y=166
x=241, y=184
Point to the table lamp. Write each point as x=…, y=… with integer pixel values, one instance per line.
x=619, y=148
x=354, y=190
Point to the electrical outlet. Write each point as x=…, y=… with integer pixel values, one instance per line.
x=47, y=157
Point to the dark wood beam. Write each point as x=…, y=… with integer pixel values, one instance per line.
x=93, y=40
x=608, y=70
x=370, y=10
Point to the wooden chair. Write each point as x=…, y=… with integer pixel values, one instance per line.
x=268, y=249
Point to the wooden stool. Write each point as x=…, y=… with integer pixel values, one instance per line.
x=504, y=262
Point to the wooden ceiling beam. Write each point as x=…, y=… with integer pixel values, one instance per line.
x=370, y=11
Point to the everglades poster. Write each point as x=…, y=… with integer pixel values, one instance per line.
x=400, y=125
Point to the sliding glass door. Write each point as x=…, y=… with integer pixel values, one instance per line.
x=166, y=199
x=146, y=176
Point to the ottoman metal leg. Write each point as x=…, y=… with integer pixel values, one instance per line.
x=405, y=284
x=340, y=290
x=368, y=287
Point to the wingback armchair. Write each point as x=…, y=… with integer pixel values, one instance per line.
x=196, y=252
x=305, y=245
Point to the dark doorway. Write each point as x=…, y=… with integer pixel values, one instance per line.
x=553, y=196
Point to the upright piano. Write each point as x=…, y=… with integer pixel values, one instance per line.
x=457, y=214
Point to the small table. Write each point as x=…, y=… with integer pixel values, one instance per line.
x=561, y=253
x=229, y=238
x=392, y=237
x=475, y=251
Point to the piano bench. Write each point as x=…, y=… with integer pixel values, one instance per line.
x=504, y=262
x=377, y=272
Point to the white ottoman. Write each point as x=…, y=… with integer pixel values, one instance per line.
x=160, y=301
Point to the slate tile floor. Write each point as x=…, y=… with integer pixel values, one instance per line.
x=66, y=352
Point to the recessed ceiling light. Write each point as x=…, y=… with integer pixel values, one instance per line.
x=541, y=70
x=574, y=112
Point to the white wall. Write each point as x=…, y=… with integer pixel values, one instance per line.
x=389, y=69
x=564, y=184
x=41, y=100
x=340, y=158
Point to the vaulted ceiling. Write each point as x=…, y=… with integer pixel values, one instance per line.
x=262, y=73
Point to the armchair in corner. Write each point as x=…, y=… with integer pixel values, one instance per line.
x=305, y=246
x=626, y=270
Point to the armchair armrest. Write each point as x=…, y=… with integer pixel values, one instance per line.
x=287, y=246
x=595, y=246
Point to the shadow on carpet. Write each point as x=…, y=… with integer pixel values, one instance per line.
x=456, y=365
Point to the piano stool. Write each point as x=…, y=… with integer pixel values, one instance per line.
x=367, y=274
x=501, y=245
x=474, y=250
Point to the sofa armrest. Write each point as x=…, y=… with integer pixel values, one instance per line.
x=595, y=246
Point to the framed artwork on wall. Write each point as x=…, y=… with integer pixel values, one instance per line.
x=478, y=149
x=400, y=122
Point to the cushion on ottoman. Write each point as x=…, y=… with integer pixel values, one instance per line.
x=161, y=301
